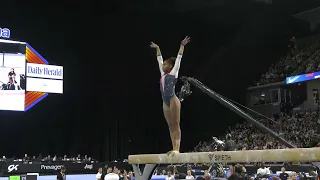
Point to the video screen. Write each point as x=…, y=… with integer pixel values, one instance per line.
x=12, y=76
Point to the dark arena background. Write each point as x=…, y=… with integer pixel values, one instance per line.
x=100, y=102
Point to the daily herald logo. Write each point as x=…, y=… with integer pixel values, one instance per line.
x=44, y=71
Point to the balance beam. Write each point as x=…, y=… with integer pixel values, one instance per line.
x=270, y=155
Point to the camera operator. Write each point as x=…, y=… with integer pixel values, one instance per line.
x=218, y=143
x=230, y=145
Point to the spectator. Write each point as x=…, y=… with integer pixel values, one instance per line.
x=61, y=175
x=189, y=175
x=112, y=176
x=98, y=176
x=263, y=173
x=169, y=176
x=283, y=174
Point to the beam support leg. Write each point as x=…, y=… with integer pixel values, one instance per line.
x=147, y=171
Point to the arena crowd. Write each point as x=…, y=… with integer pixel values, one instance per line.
x=298, y=127
x=296, y=62
x=38, y=159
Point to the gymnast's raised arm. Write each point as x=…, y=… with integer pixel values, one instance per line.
x=159, y=56
x=176, y=67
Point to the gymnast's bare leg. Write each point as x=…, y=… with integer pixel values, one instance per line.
x=172, y=116
x=175, y=107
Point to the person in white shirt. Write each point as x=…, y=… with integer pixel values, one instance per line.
x=263, y=172
x=112, y=176
x=189, y=175
x=169, y=176
x=98, y=176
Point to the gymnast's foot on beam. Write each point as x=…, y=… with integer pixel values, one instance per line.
x=172, y=152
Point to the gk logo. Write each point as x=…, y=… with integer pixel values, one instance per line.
x=13, y=168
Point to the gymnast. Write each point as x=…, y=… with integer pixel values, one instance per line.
x=169, y=70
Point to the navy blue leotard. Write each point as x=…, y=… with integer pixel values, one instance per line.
x=167, y=86
x=168, y=81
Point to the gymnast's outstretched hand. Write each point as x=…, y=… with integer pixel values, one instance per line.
x=185, y=41
x=154, y=45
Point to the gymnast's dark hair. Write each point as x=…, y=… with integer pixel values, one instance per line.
x=172, y=60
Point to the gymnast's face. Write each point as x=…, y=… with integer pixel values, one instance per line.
x=167, y=66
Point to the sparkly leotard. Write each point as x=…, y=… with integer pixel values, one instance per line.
x=168, y=81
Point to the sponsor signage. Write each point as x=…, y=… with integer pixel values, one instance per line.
x=219, y=157
x=50, y=167
x=22, y=168
x=302, y=77
x=13, y=167
x=53, y=168
x=71, y=167
x=88, y=166
x=44, y=71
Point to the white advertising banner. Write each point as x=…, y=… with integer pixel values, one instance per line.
x=45, y=85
